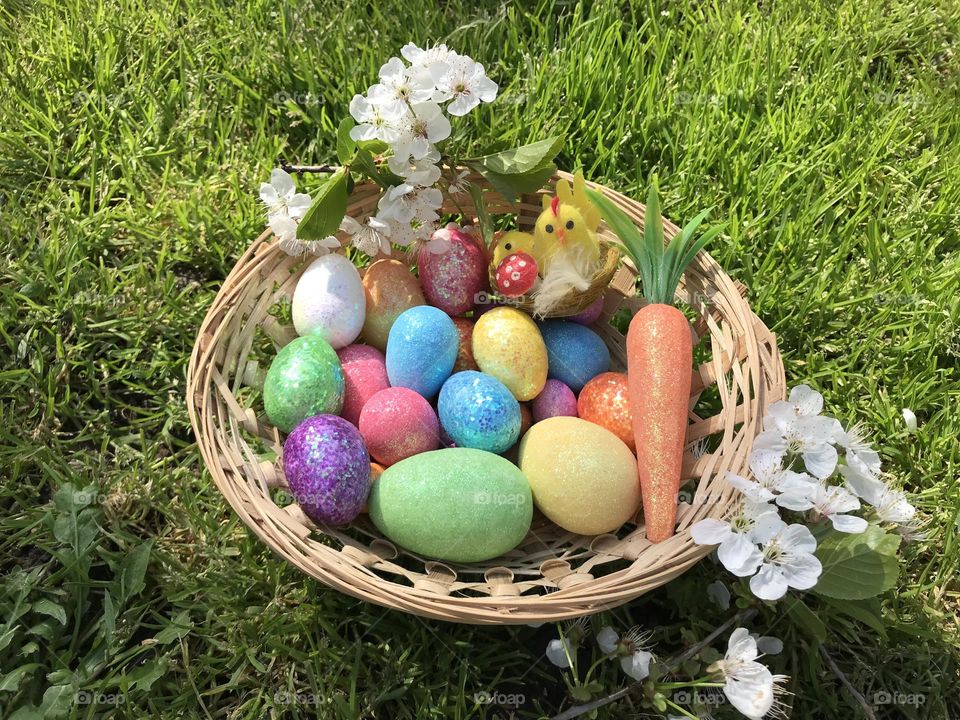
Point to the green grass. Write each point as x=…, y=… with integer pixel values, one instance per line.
x=133, y=136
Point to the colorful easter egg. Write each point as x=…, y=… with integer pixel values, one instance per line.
x=516, y=275
x=478, y=411
x=329, y=300
x=304, y=379
x=390, y=288
x=576, y=353
x=397, y=423
x=604, y=401
x=364, y=375
x=327, y=469
x=555, y=400
x=457, y=504
x=582, y=476
x=452, y=280
x=421, y=350
x=507, y=345
x=376, y=470
x=465, y=359
x=590, y=314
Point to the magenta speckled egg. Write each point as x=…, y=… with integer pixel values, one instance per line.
x=452, y=280
x=555, y=400
x=364, y=375
x=588, y=315
x=397, y=423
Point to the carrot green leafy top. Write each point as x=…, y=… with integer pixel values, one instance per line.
x=660, y=267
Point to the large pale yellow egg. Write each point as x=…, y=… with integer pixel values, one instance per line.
x=390, y=289
x=507, y=344
x=583, y=477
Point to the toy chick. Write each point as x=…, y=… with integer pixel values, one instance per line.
x=514, y=241
x=569, y=221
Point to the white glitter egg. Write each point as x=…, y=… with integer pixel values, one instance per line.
x=329, y=300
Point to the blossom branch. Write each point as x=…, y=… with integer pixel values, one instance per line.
x=300, y=169
x=857, y=695
x=670, y=665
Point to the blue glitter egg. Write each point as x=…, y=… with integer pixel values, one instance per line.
x=575, y=354
x=421, y=350
x=478, y=411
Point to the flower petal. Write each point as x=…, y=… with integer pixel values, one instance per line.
x=710, y=531
x=802, y=571
x=807, y=400
x=556, y=654
x=848, y=523
x=283, y=183
x=820, y=460
x=719, y=593
x=607, y=639
x=637, y=665
x=751, y=691
x=738, y=555
x=769, y=583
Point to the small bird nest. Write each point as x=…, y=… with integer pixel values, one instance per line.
x=551, y=575
x=575, y=301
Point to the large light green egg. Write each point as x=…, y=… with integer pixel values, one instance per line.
x=304, y=379
x=456, y=504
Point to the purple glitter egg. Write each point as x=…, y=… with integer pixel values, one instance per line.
x=589, y=314
x=328, y=469
x=554, y=400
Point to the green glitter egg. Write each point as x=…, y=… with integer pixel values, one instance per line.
x=457, y=504
x=305, y=379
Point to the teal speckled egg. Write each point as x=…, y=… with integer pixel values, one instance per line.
x=457, y=504
x=305, y=379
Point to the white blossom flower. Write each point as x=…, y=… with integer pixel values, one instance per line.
x=787, y=560
x=371, y=238
x=891, y=505
x=423, y=171
x=559, y=652
x=434, y=60
x=909, y=419
x=719, y=593
x=377, y=121
x=795, y=426
x=460, y=185
x=858, y=451
x=631, y=648
x=749, y=686
x=466, y=85
x=398, y=83
x=419, y=130
x=770, y=476
x=281, y=197
x=829, y=501
x=738, y=538
x=607, y=639
x=405, y=202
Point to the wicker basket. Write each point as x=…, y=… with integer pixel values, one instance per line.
x=553, y=574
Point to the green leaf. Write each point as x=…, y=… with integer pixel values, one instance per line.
x=483, y=217
x=326, y=213
x=364, y=163
x=511, y=185
x=374, y=147
x=179, y=627
x=629, y=234
x=858, y=566
x=134, y=569
x=11, y=681
x=51, y=609
x=866, y=611
x=520, y=160
x=144, y=676
x=806, y=619
x=346, y=147
x=57, y=700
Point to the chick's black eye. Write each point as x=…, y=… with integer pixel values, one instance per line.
x=549, y=228
x=509, y=246
x=569, y=224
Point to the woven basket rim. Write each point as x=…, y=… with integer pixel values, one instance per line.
x=569, y=576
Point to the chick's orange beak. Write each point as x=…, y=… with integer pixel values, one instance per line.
x=561, y=236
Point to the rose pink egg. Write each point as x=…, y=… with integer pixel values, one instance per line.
x=554, y=400
x=397, y=423
x=453, y=280
x=364, y=375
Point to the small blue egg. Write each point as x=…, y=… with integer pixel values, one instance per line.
x=575, y=353
x=421, y=350
x=478, y=411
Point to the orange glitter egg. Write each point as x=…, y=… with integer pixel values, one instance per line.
x=604, y=402
x=465, y=359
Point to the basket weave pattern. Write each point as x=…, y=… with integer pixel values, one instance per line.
x=553, y=574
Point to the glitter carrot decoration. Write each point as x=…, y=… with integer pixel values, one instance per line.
x=659, y=356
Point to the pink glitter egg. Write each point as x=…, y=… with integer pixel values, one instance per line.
x=397, y=423
x=364, y=375
x=556, y=399
x=453, y=280
x=588, y=315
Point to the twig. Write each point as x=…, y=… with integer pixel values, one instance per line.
x=857, y=695
x=300, y=169
x=670, y=665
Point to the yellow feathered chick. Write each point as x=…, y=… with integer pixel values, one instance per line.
x=514, y=241
x=569, y=221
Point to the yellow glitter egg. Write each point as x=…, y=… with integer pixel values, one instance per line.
x=507, y=344
x=583, y=477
